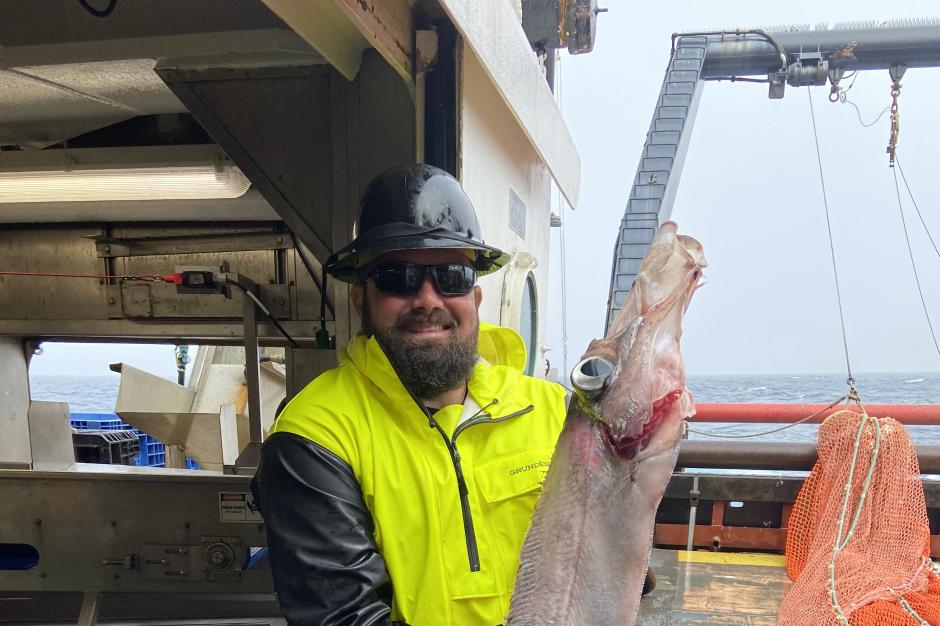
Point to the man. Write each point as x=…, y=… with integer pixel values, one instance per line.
x=398, y=487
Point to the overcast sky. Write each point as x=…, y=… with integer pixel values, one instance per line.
x=750, y=193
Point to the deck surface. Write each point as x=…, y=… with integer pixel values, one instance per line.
x=714, y=588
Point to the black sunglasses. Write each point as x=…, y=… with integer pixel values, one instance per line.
x=402, y=278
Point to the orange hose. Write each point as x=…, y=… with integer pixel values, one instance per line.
x=781, y=413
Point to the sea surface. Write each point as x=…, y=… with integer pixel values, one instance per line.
x=92, y=394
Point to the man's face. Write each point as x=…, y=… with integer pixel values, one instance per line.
x=430, y=339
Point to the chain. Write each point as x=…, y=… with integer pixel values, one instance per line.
x=895, y=122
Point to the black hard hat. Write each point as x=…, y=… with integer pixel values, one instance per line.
x=413, y=208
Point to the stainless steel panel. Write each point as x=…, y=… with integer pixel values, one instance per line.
x=193, y=244
x=52, y=249
x=14, y=404
x=94, y=530
x=50, y=436
x=161, y=300
x=202, y=332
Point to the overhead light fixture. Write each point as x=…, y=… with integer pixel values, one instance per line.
x=199, y=172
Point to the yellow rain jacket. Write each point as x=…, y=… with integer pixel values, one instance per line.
x=450, y=498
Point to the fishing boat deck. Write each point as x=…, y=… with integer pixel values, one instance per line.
x=714, y=588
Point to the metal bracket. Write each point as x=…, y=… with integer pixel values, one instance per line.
x=425, y=50
x=107, y=248
x=88, y=616
x=162, y=300
x=896, y=72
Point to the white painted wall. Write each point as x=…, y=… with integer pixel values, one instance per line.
x=496, y=157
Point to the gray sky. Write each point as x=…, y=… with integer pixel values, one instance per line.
x=78, y=359
x=750, y=193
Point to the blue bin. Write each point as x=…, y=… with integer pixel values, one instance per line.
x=98, y=421
x=152, y=451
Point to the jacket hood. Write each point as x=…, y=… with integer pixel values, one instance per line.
x=499, y=345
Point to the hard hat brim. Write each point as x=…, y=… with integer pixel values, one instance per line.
x=346, y=264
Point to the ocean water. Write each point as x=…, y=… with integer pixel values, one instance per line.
x=91, y=394
x=84, y=394
x=873, y=388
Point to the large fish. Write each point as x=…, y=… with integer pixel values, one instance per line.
x=586, y=554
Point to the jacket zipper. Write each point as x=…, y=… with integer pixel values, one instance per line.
x=473, y=553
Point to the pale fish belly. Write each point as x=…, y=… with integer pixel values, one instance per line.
x=585, y=557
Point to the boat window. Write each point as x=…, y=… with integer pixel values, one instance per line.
x=528, y=322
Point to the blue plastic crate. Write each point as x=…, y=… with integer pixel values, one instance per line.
x=152, y=451
x=98, y=421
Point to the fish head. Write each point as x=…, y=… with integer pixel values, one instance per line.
x=631, y=383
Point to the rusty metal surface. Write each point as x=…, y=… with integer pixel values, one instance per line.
x=714, y=594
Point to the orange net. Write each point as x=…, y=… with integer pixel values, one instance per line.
x=858, y=542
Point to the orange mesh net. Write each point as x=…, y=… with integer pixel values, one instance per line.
x=858, y=555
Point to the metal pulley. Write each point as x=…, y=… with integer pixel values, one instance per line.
x=552, y=24
x=809, y=70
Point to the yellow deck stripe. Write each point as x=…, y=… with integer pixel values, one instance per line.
x=731, y=558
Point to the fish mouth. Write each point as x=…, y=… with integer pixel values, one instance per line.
x=627, y=448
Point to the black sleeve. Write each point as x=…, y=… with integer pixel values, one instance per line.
x=327, y=569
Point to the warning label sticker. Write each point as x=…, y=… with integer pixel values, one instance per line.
x=237, y=506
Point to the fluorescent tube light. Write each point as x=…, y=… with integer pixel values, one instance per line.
x=102, y=174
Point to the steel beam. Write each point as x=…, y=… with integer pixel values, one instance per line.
x=112, y=247
x=326, y=29
x=389, y=27
x=210, y=332
x=848, y=45
x=341, y=29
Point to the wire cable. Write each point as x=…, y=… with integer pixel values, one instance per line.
x=711, y=433
x=910, y=252
x=916, y=208
x=313, y=275
x=105, y=12
x=559, y=89
x=859, y=113
x=842, y=96
x=739, y=79
x=264, y=310
x=832, y=248
x=145, y=278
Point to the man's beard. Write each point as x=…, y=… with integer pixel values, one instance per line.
x=427, y=369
